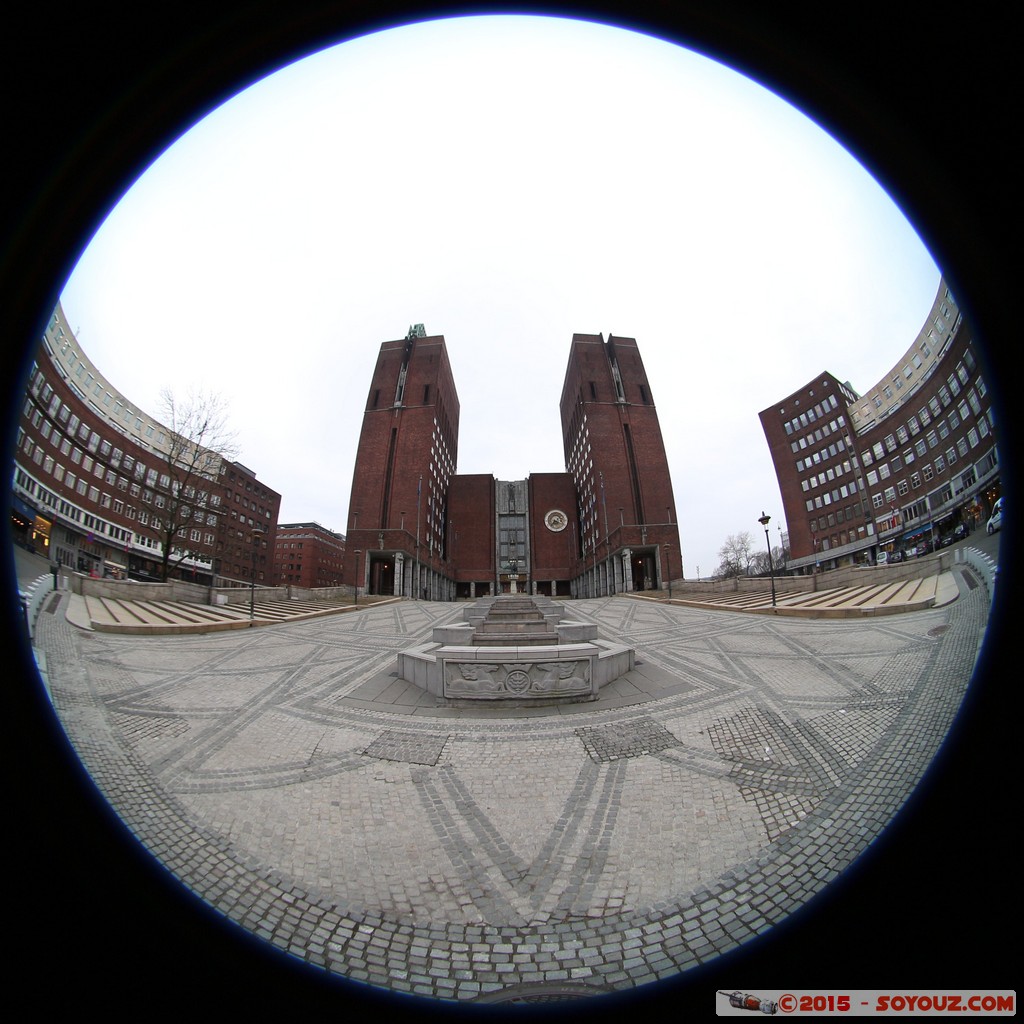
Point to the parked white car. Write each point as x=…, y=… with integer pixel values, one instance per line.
x=995, y=521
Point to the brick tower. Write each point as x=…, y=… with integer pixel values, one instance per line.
x=397, y=540
x=614, y=451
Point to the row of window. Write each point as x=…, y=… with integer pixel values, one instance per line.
x=892, y=454
x=939, y=465
x=816, y=412
x=933, y=408
x=77, y=479
x=937, y=330
x=89, y=387
x=95, y=469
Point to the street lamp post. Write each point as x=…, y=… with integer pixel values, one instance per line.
x=359, y=551
x=256, y=534
x=764, y=521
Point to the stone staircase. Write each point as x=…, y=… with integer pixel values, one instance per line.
x=514, y=621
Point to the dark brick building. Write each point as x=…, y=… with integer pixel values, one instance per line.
x=615, y=454
x=308, y=555
x=96, y=479
x=417, y=528
x=896, y=471
x=408, y=446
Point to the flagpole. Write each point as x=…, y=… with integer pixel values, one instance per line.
x=416, y=578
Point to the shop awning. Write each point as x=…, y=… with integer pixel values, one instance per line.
x=917, y=531
x=22, y=508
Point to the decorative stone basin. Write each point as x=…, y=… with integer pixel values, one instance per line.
x=515, y=651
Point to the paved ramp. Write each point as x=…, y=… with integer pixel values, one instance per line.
x=116, y=615
x=840, y=602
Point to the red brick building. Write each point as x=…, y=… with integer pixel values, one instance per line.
x=895, y=471
x=94, y=483
x=397, y=537
x=417, y=528
x=308, y=555
x=615, y=454
x=472, y=534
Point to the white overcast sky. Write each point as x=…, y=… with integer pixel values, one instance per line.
x=505, y=181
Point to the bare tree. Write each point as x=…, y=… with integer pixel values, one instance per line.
x=736, y=555
x=761, y=565
x=186, y=494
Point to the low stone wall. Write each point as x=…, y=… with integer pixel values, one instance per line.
x=847, y=576
x=515, y=676
x=193, y=593
x=173, y=590
x=322, y=593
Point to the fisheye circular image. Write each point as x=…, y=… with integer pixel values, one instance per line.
x=506, y=512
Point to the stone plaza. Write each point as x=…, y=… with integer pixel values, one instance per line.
x=293, y=781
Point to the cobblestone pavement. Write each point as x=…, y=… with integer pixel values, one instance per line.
x=291, y=780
